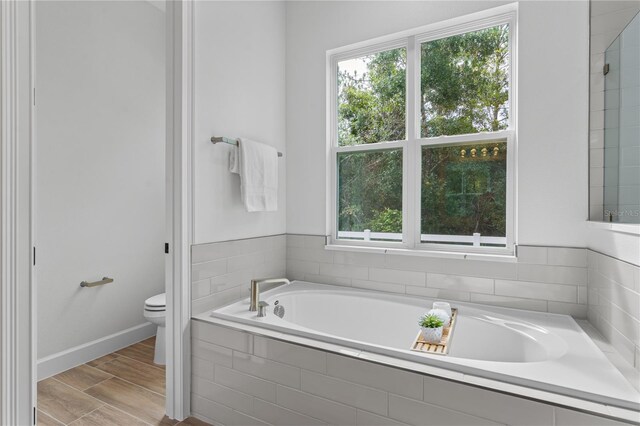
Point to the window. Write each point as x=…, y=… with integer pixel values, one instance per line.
x=422, y=138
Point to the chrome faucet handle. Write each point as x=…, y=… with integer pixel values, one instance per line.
x=262, y=309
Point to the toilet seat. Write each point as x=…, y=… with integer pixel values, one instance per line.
x=157, y=303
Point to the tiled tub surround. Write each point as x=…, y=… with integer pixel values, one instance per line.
x=545, y=279
x=221, y=272
x=531, y=349
x=614, y=305
x=241, y=378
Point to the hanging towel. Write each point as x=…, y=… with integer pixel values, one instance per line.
x=257, y=165
x=234, y=160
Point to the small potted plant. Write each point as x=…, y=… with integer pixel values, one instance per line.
x=432, y=326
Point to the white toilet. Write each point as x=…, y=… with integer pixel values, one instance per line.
x=154, y=312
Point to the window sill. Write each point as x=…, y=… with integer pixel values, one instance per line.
x=624, y=228
x=424, y=253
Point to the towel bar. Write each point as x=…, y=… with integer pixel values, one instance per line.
x=218, y=139
x=104, y=280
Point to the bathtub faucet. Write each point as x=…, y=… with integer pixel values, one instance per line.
x=255, y=290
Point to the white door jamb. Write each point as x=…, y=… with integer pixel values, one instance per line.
x=179, y=205
x=17, y=380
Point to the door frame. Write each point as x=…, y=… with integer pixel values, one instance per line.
x=18, y=339
x=17, y=369
x=180, y=129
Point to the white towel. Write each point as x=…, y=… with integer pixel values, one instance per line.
x=257, y=165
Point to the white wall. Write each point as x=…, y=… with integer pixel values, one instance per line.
x=239, y=92
x=552, y=102
x=553, y=123
x=99, y=167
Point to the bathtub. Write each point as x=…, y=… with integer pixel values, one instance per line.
x=548, y=352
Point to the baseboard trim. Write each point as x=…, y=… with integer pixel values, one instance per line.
x=62, y=361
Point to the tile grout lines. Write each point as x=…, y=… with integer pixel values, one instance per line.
x=103, y=404
x=115, y=408
x=124, y=380
x=85, y=415
x=132, y=359
x=98, y=400
x=114, y=376
x=77, y=390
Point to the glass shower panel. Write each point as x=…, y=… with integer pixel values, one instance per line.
x=622, y=127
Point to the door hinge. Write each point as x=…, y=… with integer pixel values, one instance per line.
x=34, y=256
x=166, y=248
x=34, y=415
x=34, y=96
x=605, y=69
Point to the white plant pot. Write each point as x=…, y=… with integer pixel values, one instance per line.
x=432, y=335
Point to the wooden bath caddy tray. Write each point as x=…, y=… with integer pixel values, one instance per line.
x=442, y=348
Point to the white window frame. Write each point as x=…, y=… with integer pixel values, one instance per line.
x=411, y=40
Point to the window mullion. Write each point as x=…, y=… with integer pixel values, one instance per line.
x=371, y=147
x=410, y=179
x=466, y=138
x=416, y=147
x=332, y=169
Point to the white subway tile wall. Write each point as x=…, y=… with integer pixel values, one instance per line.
x=547, y=279
x=277, y=383
x=614, y=304
x=221, y=272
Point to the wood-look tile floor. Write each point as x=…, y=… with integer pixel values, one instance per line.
x=124, y=388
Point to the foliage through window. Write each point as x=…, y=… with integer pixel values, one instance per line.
x=464, y=192
x=452, y=157
x=372, y=98
x=465, y=83
x=370, y=188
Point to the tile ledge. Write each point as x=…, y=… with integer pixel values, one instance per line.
x=624, y=228
x=424, y=253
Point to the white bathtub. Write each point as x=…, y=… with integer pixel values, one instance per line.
x=542, y=351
